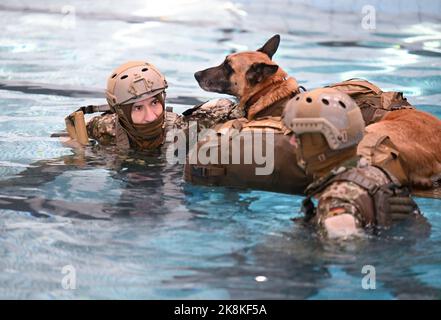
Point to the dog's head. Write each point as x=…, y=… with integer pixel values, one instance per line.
x=240, y=71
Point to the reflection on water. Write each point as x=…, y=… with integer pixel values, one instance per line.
x=129, y=224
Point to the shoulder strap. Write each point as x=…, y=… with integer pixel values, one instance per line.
x=320, y=184
x=267, y=122
x=358, y=82
x=354, y=176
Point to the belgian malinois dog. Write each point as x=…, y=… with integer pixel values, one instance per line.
x=261, y=86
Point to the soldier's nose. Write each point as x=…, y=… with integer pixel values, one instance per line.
x=149, y=115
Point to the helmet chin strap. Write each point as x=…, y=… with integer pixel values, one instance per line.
x=145, y=136
x=316, y=155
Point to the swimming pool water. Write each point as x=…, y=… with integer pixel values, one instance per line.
x=133, y=228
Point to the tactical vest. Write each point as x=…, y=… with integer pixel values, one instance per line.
x=380, y=151
x=286, y=177
x=372, y=205
x=373, y=102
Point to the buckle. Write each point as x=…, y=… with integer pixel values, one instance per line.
x=199, y=171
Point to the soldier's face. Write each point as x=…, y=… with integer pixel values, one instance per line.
x=146, y=111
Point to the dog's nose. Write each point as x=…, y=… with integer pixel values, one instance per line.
x=198, y=75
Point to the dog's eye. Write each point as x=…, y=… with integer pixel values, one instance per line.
x=227, y=67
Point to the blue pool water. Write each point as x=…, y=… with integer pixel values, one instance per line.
x=132, y=228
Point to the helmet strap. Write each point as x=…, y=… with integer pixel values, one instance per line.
x=144, y=136
x=317, y=157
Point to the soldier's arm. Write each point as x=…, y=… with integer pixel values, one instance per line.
x=204, y=116
x=338, y=218
x=211, y=113
x=338, y=209
x=102, y=128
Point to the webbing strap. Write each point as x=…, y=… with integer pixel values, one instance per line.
x=359, y=82
x=354, y=176
x=208, y=171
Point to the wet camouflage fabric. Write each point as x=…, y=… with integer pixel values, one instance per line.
x=340, y=197
x=103, y=128
x=211, y=113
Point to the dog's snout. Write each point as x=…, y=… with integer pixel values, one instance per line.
x=198, y=75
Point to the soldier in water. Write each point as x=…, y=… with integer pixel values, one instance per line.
x=352, y=192
x=135, y=120
x=136, y=117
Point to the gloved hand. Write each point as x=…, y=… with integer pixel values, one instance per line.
x=402, y=205
x=394, y=202
x=400, y=202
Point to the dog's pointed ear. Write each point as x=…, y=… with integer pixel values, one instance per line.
x=270, y=47
x=259, y=71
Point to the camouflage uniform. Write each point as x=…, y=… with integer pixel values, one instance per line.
x=343, y=197
x=210, y=113
x=371, y=195
x=103, y=127
x=328, y=126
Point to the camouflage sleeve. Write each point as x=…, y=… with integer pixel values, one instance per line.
x=210, y=114
x=339, y=198
x=102, y=128
x=348, y=197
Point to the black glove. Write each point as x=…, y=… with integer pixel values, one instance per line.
x=393, y=202
x=402, y=205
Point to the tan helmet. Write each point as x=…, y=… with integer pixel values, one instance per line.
x=329, y=112
x=134, y=81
